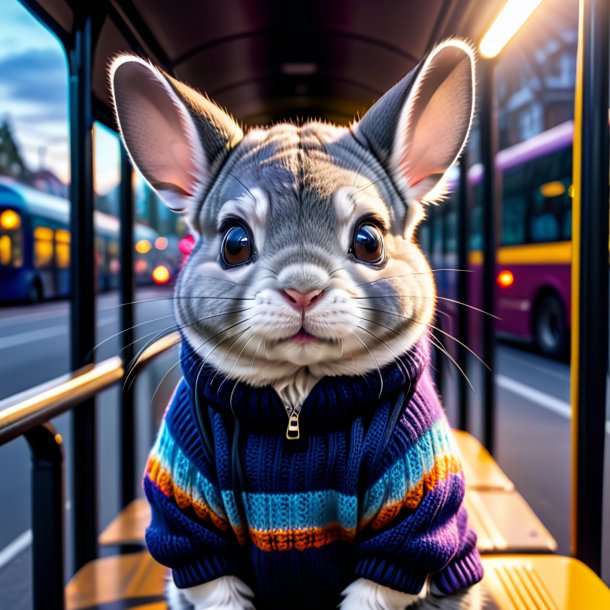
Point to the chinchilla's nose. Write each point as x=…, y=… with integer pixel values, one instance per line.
x=302, y=301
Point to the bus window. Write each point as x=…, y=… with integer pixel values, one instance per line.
x=6, y=247
x=11, y=239
x=451, y=231
x=450, y=226
x=62, y=248
x=514, y=204
x=476, y=221
x=43, y=247
x=550, y=198
x=107, y=180
x=423, y=237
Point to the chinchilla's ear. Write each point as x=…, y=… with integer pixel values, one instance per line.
x=419, y=127
x=175, y=136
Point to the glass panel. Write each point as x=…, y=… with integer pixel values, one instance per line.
x=43, y=247
x=514, y=202
x=34, y=183
x=550, y=187
x=476, y=219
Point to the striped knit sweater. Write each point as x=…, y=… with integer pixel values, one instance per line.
x=373, y=489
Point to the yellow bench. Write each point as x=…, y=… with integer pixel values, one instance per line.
x=480, y=469
x=512, y=582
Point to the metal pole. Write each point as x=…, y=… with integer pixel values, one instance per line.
x=127, y=292
x=590, y=282
x=82, y=303
x=433, y=222
x=463, y=236
x=47, y=517
x=488, y=152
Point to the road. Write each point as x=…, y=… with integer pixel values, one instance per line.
x=533, y=422
x=34, y=347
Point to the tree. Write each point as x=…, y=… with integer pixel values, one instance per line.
x=11, y=161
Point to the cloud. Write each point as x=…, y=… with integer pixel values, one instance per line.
x=36, y=76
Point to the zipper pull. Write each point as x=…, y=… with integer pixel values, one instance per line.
x=293, y=432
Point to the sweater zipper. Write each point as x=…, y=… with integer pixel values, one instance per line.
x=293, y=431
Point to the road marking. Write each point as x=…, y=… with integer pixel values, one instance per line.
x=538, y=366
x=41, y=334
x=560, y=407
x=10, y=551
x=34, y=316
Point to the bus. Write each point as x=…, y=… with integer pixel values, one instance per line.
x=534, y=240
x=35, y=246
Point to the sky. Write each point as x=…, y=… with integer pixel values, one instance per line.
x=34, y=98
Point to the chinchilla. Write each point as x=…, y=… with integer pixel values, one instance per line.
x=305, y=459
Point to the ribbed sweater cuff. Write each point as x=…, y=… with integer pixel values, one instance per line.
x=204, y=570
x=460, y=573
x=389, y=574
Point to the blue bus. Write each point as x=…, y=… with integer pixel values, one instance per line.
x=35, y=246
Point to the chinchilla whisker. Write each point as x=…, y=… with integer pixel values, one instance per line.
x=398, y=315
x=157, y=299
x=441, y=347
x=202, y=365
x=336, y=271
x=357, y=172
x=198, y=348
x=363, y=188
x=427, y=324
x=401, y=275
x=228, y=375
x=376, y=364
x=104, y=341
x=239, y=336
x=421, y=296
x=132, y=367
x=398, y=360
x=171, y=327
x=242, y=184
x=272, y=271
x=256, y=352
x=450, y=336
x=395, y=355
x=487, y=313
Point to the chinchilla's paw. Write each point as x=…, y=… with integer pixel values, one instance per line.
x=364, y=594
x=469, y=599
x=224, y=593
x=175, y=598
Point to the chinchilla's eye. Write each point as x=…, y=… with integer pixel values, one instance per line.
x=236, y=246
x=368, y=244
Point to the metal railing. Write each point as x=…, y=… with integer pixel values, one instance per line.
x=28, y=414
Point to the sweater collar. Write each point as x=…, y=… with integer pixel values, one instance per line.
x=331, y=399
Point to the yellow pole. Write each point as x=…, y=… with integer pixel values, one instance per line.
x=576, y=181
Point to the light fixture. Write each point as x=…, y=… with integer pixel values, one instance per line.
x=552, y=189
x=298, y=68
x=512, y=16
x=10, y=220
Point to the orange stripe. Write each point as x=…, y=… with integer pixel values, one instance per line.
x=301, y=540
x=444, y=466
x=163, y=480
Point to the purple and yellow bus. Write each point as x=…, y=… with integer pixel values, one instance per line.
x=534, y=234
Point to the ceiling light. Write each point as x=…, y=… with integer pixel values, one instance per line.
x=514, y=14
